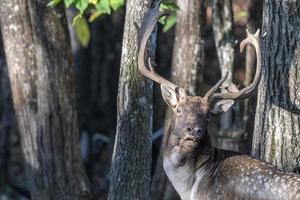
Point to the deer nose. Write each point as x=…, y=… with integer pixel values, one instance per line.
x=198, y=130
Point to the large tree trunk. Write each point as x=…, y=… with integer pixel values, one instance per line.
x=277, y=130
x=131, y=162
x=187, y=65
x=40, y=67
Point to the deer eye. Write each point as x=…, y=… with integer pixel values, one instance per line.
x=190, y=130
x=208, y=117
x=178, y=111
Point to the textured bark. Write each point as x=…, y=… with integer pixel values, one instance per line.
x=40, y=68
x=224, y=36
x=131, y=161
x=187, y=65
x=224, y=40
x=277, y=126
x=188, y=51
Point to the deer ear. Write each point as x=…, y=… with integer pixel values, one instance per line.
x=222, y=106
x=171, y=95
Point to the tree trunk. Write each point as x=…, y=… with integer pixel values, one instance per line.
x=187, y=65
x=188, y=51
x=277, y=130
x=224, y=36
x=231, y=135
x=224, y=41
x=131, y=161
x=40, y=68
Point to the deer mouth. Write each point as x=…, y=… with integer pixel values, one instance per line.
x=190, y=138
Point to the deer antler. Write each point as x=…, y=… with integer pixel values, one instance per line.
x=144, y=32
x=146, y=68
x=249, y=90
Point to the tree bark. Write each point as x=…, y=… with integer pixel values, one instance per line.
x=40, y=68
x=187, y=65
x=277, y=130
x=224, y=41
x=224, y=36
x=131, y=161
x=231, y=133
x=188, y=51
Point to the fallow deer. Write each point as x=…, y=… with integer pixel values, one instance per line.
x=194, y=166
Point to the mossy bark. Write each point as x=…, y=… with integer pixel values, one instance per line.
x=131, y=161
x=277, y=124
x=40, y=69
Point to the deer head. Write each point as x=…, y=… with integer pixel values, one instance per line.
x=192, y=113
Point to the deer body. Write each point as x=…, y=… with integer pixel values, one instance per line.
x=206, y=173
x=197, y=170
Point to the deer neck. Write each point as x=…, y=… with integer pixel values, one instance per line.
x=188, y=169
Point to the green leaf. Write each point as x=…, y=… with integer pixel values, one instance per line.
x=82, y=5
x=95, y=15
x=53, y=3
x=170, y=22
x=69, y=2
x=116, y=4
x=162, y=20
x=82, y=31
x=76, y=18
x=168, y=6
x=94, y=2
x=103, y=7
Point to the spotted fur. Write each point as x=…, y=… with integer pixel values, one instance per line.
x=198, y=171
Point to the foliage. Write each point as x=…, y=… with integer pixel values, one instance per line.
x=82, y=31
x=168, y=21
x=96, y=8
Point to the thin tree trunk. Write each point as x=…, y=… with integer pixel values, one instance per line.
x=187, y=65
x=40, y=67
x=224, y=41
x=131, y=161
x=231, y=134
x=224, y=36
x=188, y=51
x=277, y=123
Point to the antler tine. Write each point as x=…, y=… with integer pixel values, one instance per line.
x=252, y=39
x=216, y=86
x=147, y=27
